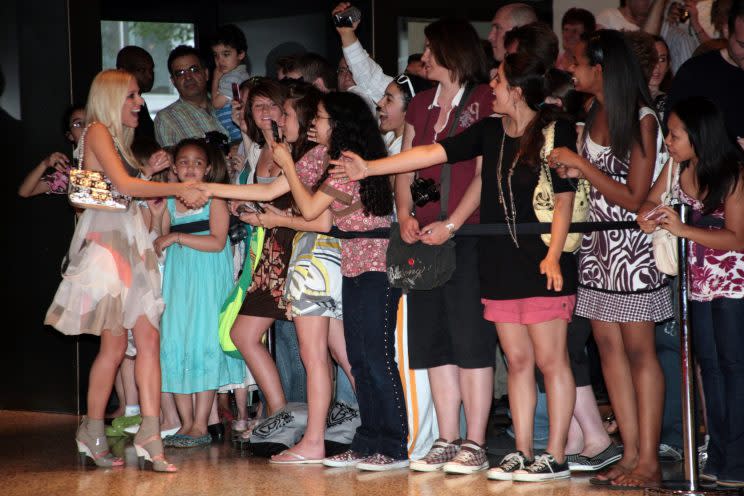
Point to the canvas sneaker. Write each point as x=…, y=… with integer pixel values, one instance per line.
x=470, y=459
x=440, y=453
x=544, y=468
x=348, y=458
x=581, y=463
x=381, y=463
x=509, y=464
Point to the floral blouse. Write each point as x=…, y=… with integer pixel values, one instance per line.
x=713, y=273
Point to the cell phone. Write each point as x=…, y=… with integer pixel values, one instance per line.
x=236, y=92
x=347, y=18
x=654, y=213
x=250, y=206
x=275, y=131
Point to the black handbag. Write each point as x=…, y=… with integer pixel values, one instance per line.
x=419, y=266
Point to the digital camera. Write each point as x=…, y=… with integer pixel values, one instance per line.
x=424, y=190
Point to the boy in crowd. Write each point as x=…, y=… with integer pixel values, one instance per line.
x=229, y=50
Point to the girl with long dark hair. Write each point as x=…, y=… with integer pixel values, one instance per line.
x=710, y=179
x=620, y=288
x=528, y=289
x=317, y=319
x=344, y=122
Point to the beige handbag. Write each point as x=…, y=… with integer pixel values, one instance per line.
x=543, y=199
x=663, y=242
x=92, y=189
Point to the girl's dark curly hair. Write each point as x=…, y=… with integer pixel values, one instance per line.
x=354, y=128
x=304, y=98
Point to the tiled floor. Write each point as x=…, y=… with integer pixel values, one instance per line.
x=38, y=457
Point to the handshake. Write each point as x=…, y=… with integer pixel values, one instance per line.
x=194, y=195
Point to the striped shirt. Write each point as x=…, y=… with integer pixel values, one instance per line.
x=181, y=120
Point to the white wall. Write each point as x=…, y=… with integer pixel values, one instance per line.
x=594, y=6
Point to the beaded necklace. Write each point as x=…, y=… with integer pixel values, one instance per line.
x=511, y=220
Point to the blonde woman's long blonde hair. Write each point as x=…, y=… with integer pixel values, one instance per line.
x=105, y=101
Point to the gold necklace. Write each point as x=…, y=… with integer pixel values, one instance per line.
x=511, y=221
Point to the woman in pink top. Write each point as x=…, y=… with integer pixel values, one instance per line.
x=344, y=122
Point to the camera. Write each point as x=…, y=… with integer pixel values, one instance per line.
x=347, y=18
x=237, y=231
x=424, y=190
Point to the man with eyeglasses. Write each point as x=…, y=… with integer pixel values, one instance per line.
x=192, y=115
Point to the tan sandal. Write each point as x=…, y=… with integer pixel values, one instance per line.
x=149, y=446
x=92, y=443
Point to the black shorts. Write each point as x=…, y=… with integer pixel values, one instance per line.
x=446, y=324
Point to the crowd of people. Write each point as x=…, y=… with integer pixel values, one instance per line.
x=235, y=186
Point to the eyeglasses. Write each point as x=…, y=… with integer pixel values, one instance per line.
x=181, y=73
x=404, y=79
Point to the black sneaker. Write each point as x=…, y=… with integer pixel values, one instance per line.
x=544, y=468
x=509, y=464
x=581, y=463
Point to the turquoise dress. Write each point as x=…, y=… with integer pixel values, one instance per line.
x=195, y=285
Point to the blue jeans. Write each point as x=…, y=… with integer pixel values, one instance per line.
x=288, y=362
x=668, y=352
x=370, y=309
x=719, y=348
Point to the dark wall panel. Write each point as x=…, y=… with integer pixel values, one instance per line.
x=39, y=363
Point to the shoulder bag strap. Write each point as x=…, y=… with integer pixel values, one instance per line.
x=446, y=174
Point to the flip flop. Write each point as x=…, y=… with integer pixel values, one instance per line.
x=297, y=459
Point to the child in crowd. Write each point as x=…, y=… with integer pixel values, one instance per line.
x=196, y=281
x=229, y=49
x=37, y=181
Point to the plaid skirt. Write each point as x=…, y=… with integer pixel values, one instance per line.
x=647, y=306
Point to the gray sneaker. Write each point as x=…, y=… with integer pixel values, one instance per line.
x=581, y=463
x=670, y=453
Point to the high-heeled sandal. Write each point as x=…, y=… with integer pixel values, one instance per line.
x=149, y=446
x=94, y=445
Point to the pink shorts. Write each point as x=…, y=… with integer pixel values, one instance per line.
x=529, y=310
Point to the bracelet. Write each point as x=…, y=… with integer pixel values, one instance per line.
x=451, y=228
x=178, y=239
x=366, y=171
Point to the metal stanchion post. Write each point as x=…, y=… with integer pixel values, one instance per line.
x=690, y=485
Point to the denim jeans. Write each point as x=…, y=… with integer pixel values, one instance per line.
x=288, y=362
x=668, y=351
x=719, y=348
x=370, y=309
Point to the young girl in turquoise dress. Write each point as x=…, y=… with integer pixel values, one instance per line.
x=196, y=281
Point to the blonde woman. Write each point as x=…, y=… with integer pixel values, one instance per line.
x=112, y=282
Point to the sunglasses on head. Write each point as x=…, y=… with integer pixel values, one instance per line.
x=404, y=79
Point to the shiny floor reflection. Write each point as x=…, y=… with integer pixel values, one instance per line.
x=38, y=456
